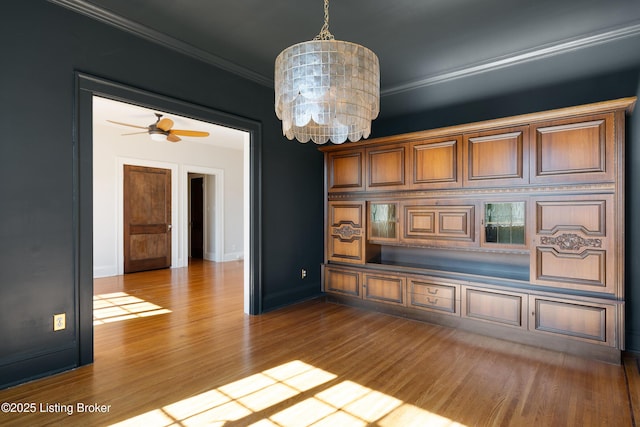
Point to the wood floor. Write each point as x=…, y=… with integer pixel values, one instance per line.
x=179, y=351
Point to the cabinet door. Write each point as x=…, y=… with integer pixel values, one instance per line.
x=436, y=163
x=504, y=225
x=383, y=223
x=573, y=244
x=385, y=288
x=386, y=167
x=346, y=235
x=343, y=281
x=423, y=294
x=584, y=321
x=500, y=307
x=428, y=224
x=496, y=157
x=345, y=170
x=579, y=149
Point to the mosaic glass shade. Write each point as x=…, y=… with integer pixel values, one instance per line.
x=327, y=90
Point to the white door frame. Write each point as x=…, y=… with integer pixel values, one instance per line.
x=218, y=215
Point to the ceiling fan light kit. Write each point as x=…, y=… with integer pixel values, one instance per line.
x=327, y=89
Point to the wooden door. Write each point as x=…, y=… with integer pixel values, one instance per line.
x=147, y=218
x=196, y=219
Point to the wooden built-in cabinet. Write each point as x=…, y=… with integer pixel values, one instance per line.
x=512, y=227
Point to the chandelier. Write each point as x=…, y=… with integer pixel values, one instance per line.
x=327, y=89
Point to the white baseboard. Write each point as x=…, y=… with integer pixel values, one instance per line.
x=233, y=256
x=104, y=271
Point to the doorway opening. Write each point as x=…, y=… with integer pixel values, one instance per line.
x=90, y=89
x=198, y=217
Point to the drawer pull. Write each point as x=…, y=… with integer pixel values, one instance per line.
x=432, y=292
x=432, y=302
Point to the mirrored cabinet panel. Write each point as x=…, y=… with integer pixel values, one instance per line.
x=504, y=223
x=383, y=221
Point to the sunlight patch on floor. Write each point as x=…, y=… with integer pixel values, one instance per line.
x=118, y=306
x=345, y=403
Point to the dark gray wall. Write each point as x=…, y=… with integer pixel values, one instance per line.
x=620, y=84
x=44, y=46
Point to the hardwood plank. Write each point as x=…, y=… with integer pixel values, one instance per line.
x=205, y=361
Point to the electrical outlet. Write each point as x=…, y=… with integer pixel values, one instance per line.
x=303, y=273
x=59, y=322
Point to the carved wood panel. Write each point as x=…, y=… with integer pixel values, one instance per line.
x=573, y=243
x=346, y=239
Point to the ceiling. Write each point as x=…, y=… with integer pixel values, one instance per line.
x=107, y=109
x=432, y=52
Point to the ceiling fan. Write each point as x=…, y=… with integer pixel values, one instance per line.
x=161, y=129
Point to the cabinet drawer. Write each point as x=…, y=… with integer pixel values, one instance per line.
x=384, y=288
x=505, y=308
x=342, y=281
x=584, y=321
x=447, y=305
x=431, y=296
x=431, y=289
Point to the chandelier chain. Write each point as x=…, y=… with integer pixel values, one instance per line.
x=324, y=32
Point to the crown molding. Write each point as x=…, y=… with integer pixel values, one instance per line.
x=539, y=52
x=85, y=8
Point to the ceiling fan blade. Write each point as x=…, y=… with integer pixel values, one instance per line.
x=172, y=138
x=188, y=132
x=164, y=124
x=127, y=124
x=134, y=133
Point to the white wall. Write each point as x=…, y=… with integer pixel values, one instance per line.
x=111, y=150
